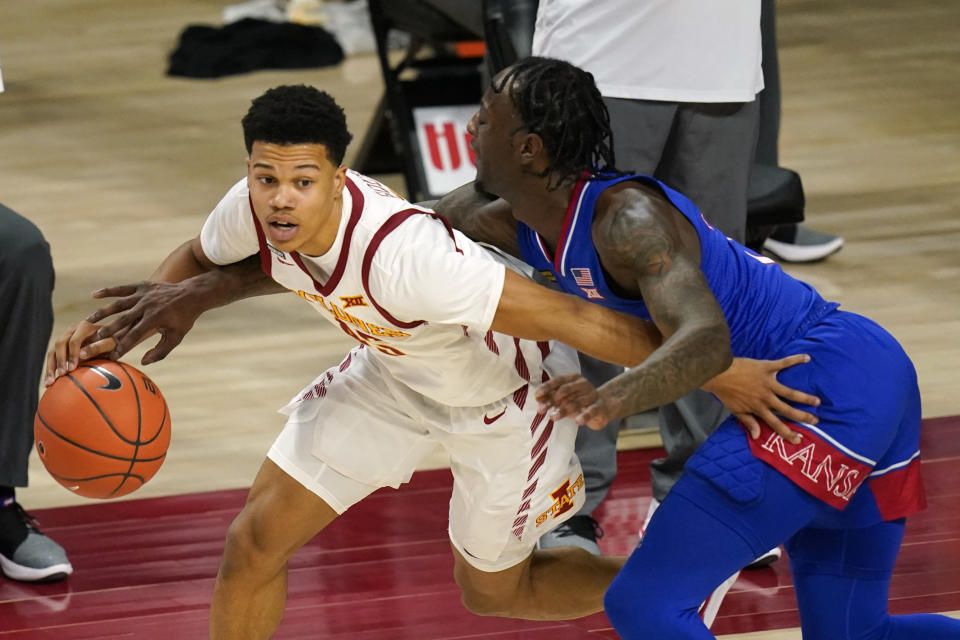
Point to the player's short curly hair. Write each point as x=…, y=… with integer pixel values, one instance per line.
x=297, y=114
x=561, y=103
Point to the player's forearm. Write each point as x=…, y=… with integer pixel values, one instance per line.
x=531, y=311
x=182, y=263
x=481, y=217
x=171, y=308
x=229, y=283
x=460, y=206
x=683, y=363
x=605, y=334
x=214, y=285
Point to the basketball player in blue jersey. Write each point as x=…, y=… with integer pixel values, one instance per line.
x=836, y=493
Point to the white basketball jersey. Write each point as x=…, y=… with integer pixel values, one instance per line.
x=398, y=279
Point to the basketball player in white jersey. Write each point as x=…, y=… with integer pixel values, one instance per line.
x=433, y=314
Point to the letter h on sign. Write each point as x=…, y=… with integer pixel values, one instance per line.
x=446, y=158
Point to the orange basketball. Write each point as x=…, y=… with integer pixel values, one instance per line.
x=103, y=429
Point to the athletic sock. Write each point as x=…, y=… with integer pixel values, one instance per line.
x=13, y=528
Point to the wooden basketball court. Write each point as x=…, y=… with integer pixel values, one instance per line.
x=144, y=568
x=118, y=164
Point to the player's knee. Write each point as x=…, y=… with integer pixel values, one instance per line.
x=246, y=550
x=636, y=614
x=620, y=605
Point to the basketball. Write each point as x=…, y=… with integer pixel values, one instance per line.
x=102, y=430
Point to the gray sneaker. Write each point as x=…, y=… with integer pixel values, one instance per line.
x=25, y=553
x=578, y=531
x=796, y=243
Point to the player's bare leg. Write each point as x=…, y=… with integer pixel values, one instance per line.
x=551, y=584
x=251, y=589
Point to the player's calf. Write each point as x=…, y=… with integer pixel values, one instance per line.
x=495, y=593
x=250, y=590
x=552, y=584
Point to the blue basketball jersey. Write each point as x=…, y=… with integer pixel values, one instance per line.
x=869, y=425
x=764, y=307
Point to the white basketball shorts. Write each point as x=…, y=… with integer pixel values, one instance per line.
x=515, y=475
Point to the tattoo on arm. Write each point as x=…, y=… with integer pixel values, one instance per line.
x=481, y=217
x=644, y=249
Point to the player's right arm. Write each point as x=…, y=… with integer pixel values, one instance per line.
x=481, y=217
x=170, y=308
x=534, y=312
x=186, y=284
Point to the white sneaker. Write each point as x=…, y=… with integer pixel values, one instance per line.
x=654, y=503
x=766, y=559
x=807, y=245
x=710, y=606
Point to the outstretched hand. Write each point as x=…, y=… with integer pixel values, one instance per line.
x=144, y=309
x=574, y=397
x=140, y=310
x=750, y=390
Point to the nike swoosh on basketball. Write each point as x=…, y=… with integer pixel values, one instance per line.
x=113, y=382
x=488, y=420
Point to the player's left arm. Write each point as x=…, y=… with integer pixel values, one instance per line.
x=481, y=217
x=534, y=312
x=642, y=244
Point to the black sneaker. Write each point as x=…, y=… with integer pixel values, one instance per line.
x=578, y=531
x=25, y=553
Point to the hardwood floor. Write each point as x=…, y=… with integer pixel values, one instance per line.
x=118, y=164
x=144, y=568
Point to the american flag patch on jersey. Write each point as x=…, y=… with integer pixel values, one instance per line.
x=582, y=277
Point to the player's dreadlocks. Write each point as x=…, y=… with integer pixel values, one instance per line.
x=561, y=103
x=297, y=114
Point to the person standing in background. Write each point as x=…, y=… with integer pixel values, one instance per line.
x=26, y=318
x=680, y=80
x=684, y=83
x=788, y=242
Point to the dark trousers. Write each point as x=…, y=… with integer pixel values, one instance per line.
x=705, y=151
x=26, y=319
